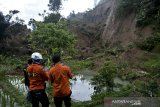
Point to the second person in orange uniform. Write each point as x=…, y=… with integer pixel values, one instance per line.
x=59, y=76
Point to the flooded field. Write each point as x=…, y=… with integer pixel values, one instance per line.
x=81, y=87
x=18, y=83
x=6, y=100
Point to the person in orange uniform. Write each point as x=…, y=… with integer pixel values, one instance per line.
x=37, y=78
x=59, y=76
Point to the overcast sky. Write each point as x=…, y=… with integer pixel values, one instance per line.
x=30, y=8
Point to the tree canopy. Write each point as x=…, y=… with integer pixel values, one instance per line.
x=52, y=38
x=3, y=26
x=55, y=5
x=147, y=11
x=52, y=18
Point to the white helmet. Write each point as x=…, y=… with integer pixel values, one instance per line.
x=36, y=56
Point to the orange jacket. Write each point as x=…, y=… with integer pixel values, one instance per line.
x=37, y=77
x=60, y=76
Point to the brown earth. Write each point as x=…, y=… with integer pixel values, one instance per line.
x=112, y=31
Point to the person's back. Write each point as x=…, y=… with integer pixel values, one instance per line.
x=36, y=76
x=37, y=79
x=59, y=76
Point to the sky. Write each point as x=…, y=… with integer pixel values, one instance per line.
x=30, y=8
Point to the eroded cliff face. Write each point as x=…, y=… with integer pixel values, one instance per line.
x=100, y=13
x=122, y=31
x=101, y=27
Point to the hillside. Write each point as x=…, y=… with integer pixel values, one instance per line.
x=113, y=50
x=101, y=27
x=126, y=33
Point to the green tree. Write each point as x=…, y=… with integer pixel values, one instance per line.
x=52, y=38
x=147, y=11
x=53, y=18
x=55, y=5
x=3, y=26
x=152, y=88
x=32, y=23
x=9, y=16
x=104, y=80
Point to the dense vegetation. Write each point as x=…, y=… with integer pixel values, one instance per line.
x=52, y=36
x=104, y=80
x=147, y=11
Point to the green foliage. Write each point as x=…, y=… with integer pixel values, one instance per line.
x=3, y=26
x=52, y=18
x=147, y=11
x=77, y=65
x=131, y=76
x=150, y=42
x=55, y=5
x=98, y=99
x=126, y=7
x=13, y=92
x=139, y=85
x=149, y=88
x=52, y=38
x=153, y=87
x=104, y=80
x=115, y=51
x=152, y=63
x=9, y=64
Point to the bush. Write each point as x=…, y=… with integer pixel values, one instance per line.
x=104, y=80
x=150, y=42
x=77, y=65
x=131, y=76
x=126, y=7
x=147, y=11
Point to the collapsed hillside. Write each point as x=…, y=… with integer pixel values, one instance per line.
x=102, y=27
x=126, y=33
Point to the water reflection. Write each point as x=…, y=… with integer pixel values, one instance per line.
x=81, y=88
x=80, y=85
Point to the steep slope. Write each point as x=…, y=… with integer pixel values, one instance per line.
x=122, y=31
x=111, y=30
x=16, y=43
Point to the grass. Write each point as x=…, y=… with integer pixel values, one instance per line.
x=8, y=66
x=9, y=63
x=152, y=63
x=13, y=92
x=79, y=65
